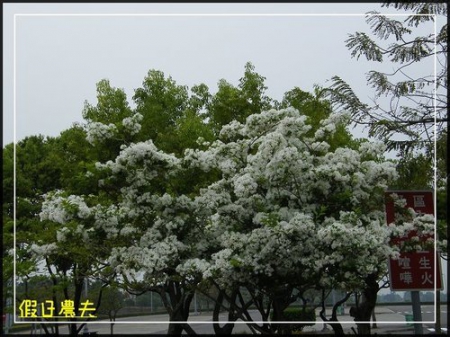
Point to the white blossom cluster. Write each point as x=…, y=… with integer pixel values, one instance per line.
x=153, y=227
x=356, y=245
x=413, y=230
x=73, y=217
x=99, y=132
x=43, y=250
x=153, y=259
x=107, y=219
x=133, y=124
x=58, y=208
x=144, y=155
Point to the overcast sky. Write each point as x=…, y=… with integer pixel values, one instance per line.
x=54, y=54
x=60, y=53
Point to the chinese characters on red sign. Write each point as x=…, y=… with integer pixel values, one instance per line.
x=414, y=270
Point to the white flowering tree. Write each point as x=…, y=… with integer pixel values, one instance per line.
x=81, y=229
x=42, y=165
x=56, y=178
x=289, y=213
x=72, y=249
x=153, y=226
x=146, y=214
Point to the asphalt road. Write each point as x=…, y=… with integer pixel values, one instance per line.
x=390, y=320
x=428, y=314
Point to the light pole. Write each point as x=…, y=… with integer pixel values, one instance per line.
x=195, y=304
x=85, y=328
x=8, y=317
x=151, y=301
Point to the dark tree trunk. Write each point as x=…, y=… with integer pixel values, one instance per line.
x=278, y=307
x=175, y=329
x=258, y=300
x=336, y=326
x=177, y=306
x=374, y=320
x=333, y=321
x=73, y=328
x=55, y=327
x=369, y=299
x=280, y=301
x=227, y=329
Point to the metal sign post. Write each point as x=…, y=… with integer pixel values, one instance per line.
x=417, y=312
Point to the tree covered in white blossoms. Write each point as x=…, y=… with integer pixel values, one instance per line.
x=273, y=204
x=154, y=227
x=288, y=212
x=73, y=248
x=131, y=198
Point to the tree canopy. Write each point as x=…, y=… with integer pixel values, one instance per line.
x=250, y=201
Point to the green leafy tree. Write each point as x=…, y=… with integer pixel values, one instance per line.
x=7, y=229
x=45, y=165
x=161, y=102
x=113, y=300
x=75, y=157
x=35, y=174
x=110, y=111
x=237, y=103
x=405, y=106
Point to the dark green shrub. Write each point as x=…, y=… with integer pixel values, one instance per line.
x=298, y=315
